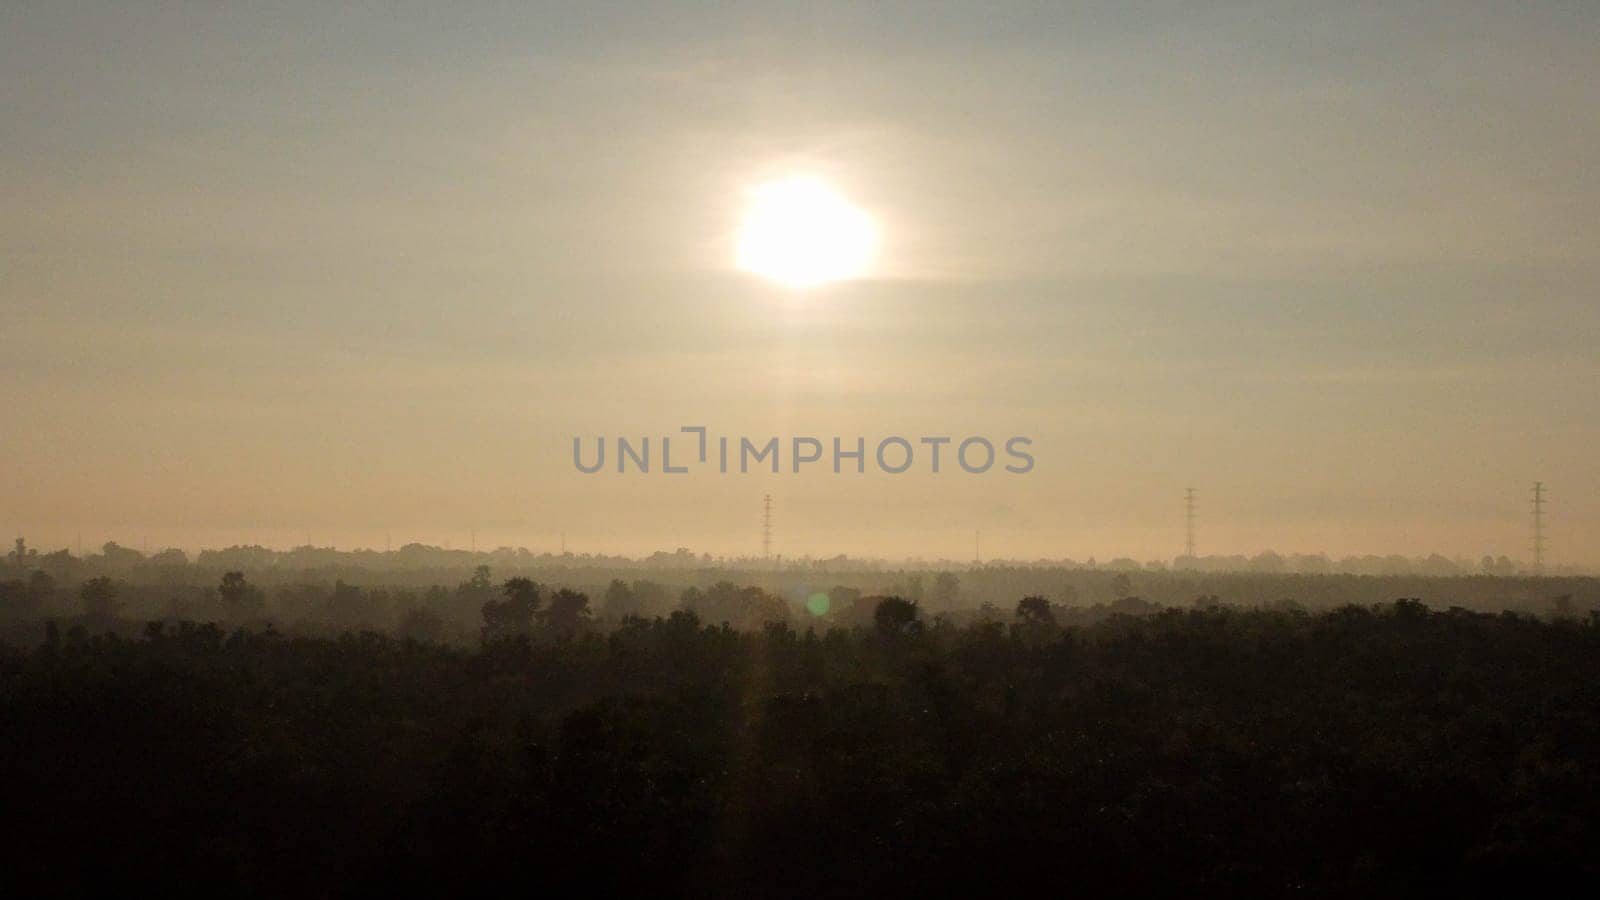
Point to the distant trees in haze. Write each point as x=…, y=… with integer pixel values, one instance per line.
x=641, y=598
x=745, y=608
x=99, y=597
x=1499, y=566
x=26, y=598
x=381, y=592
x=117, y=556
x=422, y=624
x=946, y=590
x=240, y=595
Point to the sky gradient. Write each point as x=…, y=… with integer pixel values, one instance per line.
x=289, y=273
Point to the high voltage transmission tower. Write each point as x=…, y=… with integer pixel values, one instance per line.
x=1188, y=522
x=1538, y=528
x=766, y=527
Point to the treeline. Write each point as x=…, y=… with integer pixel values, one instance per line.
x=418, y=565
x=1389, y=750
x=477, y=609
x=456, y=614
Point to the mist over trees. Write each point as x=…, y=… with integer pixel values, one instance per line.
x=443, y=595
x=1208, y=751
x=795, y=731
x=414, y=562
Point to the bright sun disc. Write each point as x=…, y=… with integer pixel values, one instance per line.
x=801, y=233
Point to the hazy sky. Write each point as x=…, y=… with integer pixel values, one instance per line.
x=271, y=271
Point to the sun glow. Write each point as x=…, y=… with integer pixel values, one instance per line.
x=801, y=233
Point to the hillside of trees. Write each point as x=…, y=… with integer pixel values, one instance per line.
x=1390, y=749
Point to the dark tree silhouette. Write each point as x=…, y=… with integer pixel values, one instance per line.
x=1121, y=586
x=514, y=615
x=1382, y=750
x=99, y=598
x=476, y=591
x=1035, y=612
x=567, y=614
x=895, y=616
x=421, y=624
x=238, y=593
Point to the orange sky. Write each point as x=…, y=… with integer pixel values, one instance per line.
x=270, y=275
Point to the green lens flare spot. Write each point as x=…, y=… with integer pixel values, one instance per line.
x=817, y=604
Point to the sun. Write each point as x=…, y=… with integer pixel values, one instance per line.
x=802, y=233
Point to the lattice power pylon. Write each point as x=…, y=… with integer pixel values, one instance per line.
x=1538, y=528
x=766, y=527
x=1188, y=522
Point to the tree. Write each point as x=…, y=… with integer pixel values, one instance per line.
x=99, y=598
x=422, y=625
x=895, y=616
x=620, y=600
x=1121, y=586
x=120, y=557
x=16, y=600
x=477, y=590
x=1134, y=606
x=513, y=615
x=946, y=590
x=1267, y=562
x=743, y=608
x=650, y=598
x=1499, y=566
x=237, y=593
x=524, y=593
x=1035, y=612
x=62, y=565
x=1410, y=609
x=171, y=557
x=567, y=614
x=41, y=586
x=1562, y=604
x=914, y=588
